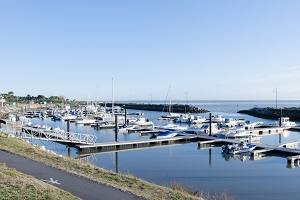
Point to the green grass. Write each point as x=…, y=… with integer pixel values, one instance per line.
x=15, y=185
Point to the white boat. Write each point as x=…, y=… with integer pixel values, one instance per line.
x=231, y=122
x=240, y=133
x=238, y=148
x=218, y=119
x=184, y=118
x=173, y=127
x=204, y=129
x=142, y=121
x=199, y=119
x=109, y=117
x=84, y=120
x=190, y=119
x=170, y=116
x=165, y=134
x=66, y=117
x=24, y=120
x=251, y=125
x=285, y=122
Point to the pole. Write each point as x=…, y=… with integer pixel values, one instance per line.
x=116, y=128
x=276, y=98
x=280, y=117
x=69, y=152
x=210, y=124
x=125, y=114
x=68, y=129
x=112, y=97
x=117, y=162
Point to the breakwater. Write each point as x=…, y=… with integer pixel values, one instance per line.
x=273, y=113
x=178, y=108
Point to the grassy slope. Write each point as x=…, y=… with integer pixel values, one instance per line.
x=124, y=182
x=15, y=185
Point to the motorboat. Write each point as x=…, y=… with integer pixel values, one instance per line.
x=238, y=148
x=218, y=119
x=66, y=117
x=165, y=134
x=142, y=121
x=184, y=118
x=240, y=133
x=170, y=116
x=231, y=122
x=251, y=125
x=109, y=117
x=84, y=120
x=173, y=127
x=204, y=129
x=199, y=119
x=142, y=127
x=24, y=120
x=285, y=122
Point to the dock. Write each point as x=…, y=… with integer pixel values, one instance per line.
x=136, y=143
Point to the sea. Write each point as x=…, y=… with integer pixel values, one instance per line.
x=203, y=170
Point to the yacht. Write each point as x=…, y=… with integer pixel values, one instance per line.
x=84, y=120
x=165, y=134
x=66, y=117
x=184, y=118
x=173, y=127
x=285, y=122
x=240, y=133
x=204, y=129
x=218, y=119
x=199, y=119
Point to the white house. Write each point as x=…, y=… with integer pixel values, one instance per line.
x=2, y=100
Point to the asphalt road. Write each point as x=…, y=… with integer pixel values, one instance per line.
x=78, y=186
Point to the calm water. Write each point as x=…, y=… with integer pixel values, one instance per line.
x=204, y=170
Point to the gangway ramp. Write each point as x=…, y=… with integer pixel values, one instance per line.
x=58, y=136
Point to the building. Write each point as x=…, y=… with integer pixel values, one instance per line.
x=2, y=100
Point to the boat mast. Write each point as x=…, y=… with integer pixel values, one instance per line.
x=112, y=101
x=170, y=104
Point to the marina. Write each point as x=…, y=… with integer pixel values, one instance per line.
x=198, y=158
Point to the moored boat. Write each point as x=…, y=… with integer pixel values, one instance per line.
x=285, y=122
x=165, y=134
x=238, y=148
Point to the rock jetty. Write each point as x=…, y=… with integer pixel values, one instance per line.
x=273, y=113
x=178, y=108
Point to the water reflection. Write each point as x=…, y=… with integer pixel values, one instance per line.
x=229, y=157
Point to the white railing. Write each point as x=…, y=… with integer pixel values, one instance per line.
x=59, y=135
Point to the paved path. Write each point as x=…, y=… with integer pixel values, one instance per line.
x=78, y=186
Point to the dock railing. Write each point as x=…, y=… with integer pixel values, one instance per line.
x=60, y=136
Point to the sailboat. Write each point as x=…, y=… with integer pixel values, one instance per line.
x=170, y=115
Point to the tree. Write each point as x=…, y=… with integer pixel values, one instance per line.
x=10, y=93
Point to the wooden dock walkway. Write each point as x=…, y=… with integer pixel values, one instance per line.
x=137, y=143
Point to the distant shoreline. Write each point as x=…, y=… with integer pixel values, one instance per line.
x=178, y=108
x=273, y=113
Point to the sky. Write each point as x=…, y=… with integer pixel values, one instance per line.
x=151, y=49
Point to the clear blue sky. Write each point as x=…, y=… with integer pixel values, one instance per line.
x=201, y=50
